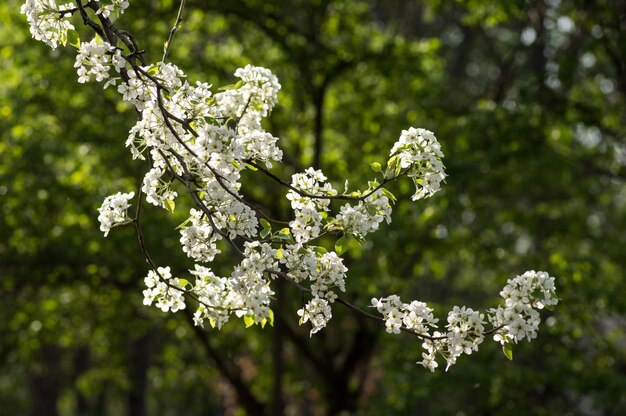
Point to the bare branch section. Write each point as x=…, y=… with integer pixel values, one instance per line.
x=170, y=39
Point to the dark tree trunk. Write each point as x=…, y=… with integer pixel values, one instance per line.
x=138, y=372
x=44, y=381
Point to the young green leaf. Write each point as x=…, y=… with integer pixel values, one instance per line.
x=265, y=223
x=73, y=38
x=341, y=245
x=320, y=250
x=389, y=195
x=183, y=224
x=507, y=350
x=248, y=320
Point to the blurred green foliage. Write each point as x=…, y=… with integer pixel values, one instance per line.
x=528, y=101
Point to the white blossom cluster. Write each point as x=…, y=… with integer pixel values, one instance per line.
x=200, y=142
x=523, y=297
x=48, y=21
x=136, y=91
x=254, y=99
x=366, y=216
x=309, y=212
x=113, y=211
x=416, y=316
x=198, y=237
x=419, y=151
x=116, y=8
x=163, y=290
x=324, y=272
x=317, y=311
x=245, y=293
x=465, y=329
x=94, y=59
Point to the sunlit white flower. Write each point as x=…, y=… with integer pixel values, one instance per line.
x=48, y=21
x=113, y=211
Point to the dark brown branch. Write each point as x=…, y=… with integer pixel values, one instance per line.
x=87, y=21
x=312, y=196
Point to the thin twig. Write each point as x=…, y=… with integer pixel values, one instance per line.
x=170, y=39
x=312, y=196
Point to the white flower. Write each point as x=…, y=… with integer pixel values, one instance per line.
x=198, y=239
x=366, y=216
x=419, y=151
x=94, y=59
x=114, y=211
x=317, y=311
x=157, y=191
x=48, y=22
x=522, y=295
x=117, y=7
x=255, y=145
x=163, y=290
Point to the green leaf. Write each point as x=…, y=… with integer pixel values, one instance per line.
x=227, y=87
x=265, y=232
x=389, y=195
x=170, y=205
x=265, y=223
x=376, y=167
x=285, y=235
x=183, y=282
x=270, y=317
x=73, y=38
x=202, y=195
x=320, y=250
x=183, y=224
x=341, y=245
x=248, y=321
x=279, y=253
x=507, y=350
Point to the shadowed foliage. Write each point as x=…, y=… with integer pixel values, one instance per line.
x=528, y=101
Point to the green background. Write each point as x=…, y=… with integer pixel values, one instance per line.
x=528, y=101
